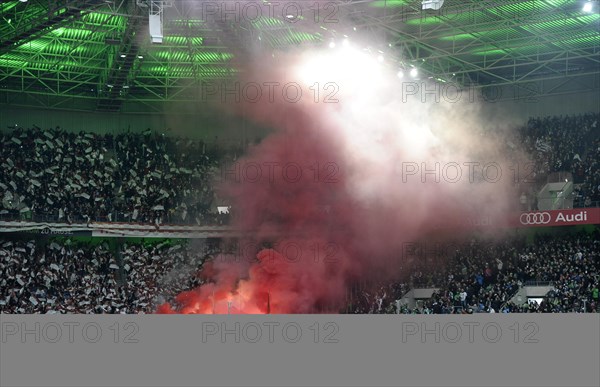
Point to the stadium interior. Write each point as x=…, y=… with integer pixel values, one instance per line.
x=352, y=156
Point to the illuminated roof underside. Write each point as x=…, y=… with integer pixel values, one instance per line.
x=97, y=55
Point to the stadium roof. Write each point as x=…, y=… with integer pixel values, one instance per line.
x=97, y=55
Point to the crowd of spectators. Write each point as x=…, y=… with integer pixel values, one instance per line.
x=563, y=144
x=480, y=277
x=381, y=300
x=588, y=172
x=484, y=277
x=72, y=277
x=54, y=175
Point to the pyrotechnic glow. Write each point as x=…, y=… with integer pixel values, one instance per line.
x=355, y=72
x=343, y=63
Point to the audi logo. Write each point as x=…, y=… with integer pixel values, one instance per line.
x=535, y=218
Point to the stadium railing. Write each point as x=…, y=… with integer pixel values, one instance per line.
x=118, y=218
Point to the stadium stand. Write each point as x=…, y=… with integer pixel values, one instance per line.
x=54, y=175
x=483, y=278
x=566, y=144
x=64, y=277
x=480, y=278
x=59, y=176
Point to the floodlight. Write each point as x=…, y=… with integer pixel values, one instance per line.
x=432, y=4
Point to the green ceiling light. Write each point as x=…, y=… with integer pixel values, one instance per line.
x=266, y=22
x=534, y=48
x=574, y=23
x=57, y=32
x=162, y=55
x=299, y=37
x=589, y=18
x=556, y=24
x=105, y=20
x=7, y=6
x=12, y=62
x=490, y=52
x=458, y=37
x=494, y=35
x=175, y=40
x=186, y=22
x=424, y=21
x=36, y=44
x=68, y=65
x=582, y=41
x=213, y=56
x=73, y=33
x=465, y=18
x=515, y=10
x=388, y=3
x=14, y=56
x=501, y=33
x=558, y=3
x=208, y=57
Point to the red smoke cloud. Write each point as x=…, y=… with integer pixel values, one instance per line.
x=328, y=189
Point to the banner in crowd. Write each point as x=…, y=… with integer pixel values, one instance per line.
x=118, y=230
x=551, y=218
x=44, y=229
